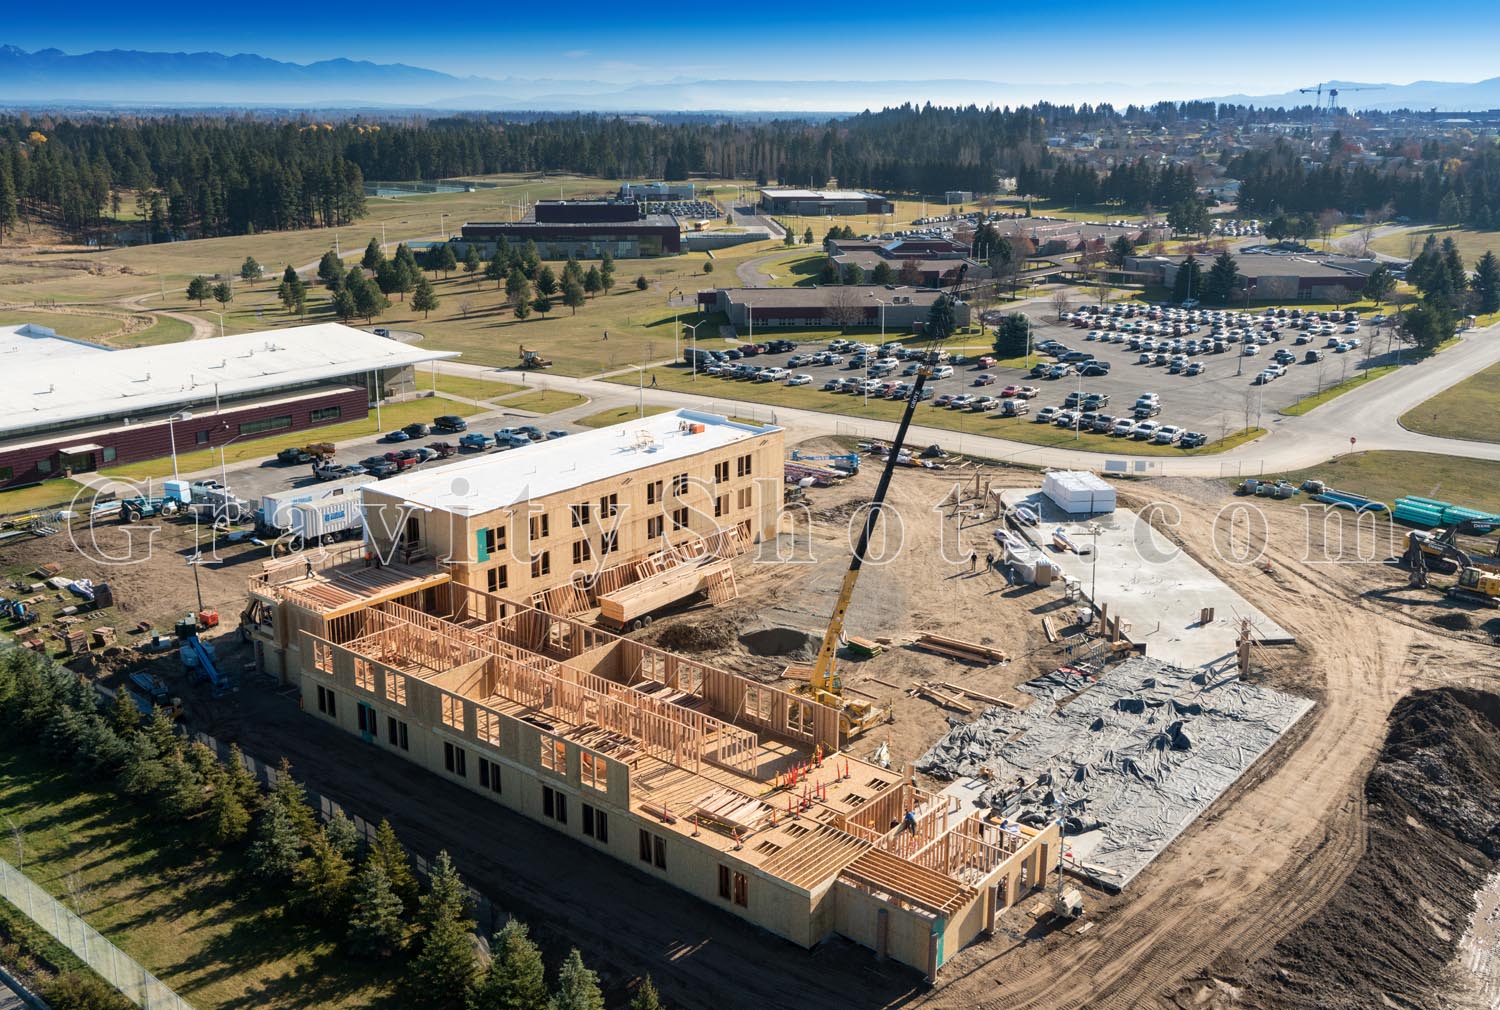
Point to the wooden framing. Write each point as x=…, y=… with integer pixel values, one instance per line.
x=909, y=883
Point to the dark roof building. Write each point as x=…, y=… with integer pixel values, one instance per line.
x=582, y=228
x=780, y=200
x=937, y=258
x=838, y=305
x=1272, y=276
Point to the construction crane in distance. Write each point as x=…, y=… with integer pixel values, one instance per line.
x=823, y=682
x=1333, y=94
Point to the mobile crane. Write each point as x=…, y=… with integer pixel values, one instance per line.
x=824, y=684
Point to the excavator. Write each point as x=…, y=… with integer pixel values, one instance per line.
x=1438, y=550
x=823, y=682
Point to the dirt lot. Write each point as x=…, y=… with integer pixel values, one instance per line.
x=1201, y=920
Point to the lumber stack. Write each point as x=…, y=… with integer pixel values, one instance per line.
x=664, y=589
x=953, y=648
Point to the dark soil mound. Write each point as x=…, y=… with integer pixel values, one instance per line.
x=713, y=634
x=1391, y=930
x=1454, y=621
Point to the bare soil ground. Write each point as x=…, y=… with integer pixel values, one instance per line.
x=1202, y=922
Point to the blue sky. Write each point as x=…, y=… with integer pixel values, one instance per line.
x=1174, y=48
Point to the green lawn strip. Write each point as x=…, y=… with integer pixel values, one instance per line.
x=543, y=401
x=469, y=387
x=50, y=494
x=1388, y=475
x=617, y=415
x=392, y=416
x=1465, y=410
x=188, y=914
x=1307, y=403
x=1019, y=429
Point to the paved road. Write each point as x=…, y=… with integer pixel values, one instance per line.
x=1369, y=413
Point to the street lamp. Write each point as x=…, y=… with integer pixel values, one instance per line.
x=223, y=473
x=694, y=328
x=172, y=419
x=883, y=304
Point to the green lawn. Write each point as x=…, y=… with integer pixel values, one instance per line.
x=1466, y=410
x=392, y=415
x=166, y=330
x=1471, y=244
x=544, y=401
x=1307, y=403
x=39, y=496
x=619, y=415
x=470, y=387
x=80, y=324
x=1386, y=476
x=188, y=916
x=1020, y=429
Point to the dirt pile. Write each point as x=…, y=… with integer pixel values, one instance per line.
x=1454, y=621
x=788, y=642
x=1389, y=934
x=714, y=633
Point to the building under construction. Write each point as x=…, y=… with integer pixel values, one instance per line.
x=731, y=789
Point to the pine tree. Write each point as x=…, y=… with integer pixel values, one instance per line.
x=546, y=281
x=882, y=274
x=447, y=260
x=373, y=257
x=388, y=851
x=517, y=288
x=577, y=986
x=572, y=295
x=641, y=284
x=1188, y=283
x=228, y=820
x=331, y=270
x=8, y=203
x=1222, y=277
x=521, y=310
x=277, y=848
x=593, y=281
x=543, y=305
x=445, y=968
x=516, y=978
x=1487, y=284
x=342, y=835
x=572, y=271
x=646, y=997
x=124, y=714
x=343, y=305
x=287, y=793
x=606, y=271
x=242, y=781
x=424, y=299
x=323, y=878
x=854, y=274
x=530, y=259
x=496, y=270
x=807, y=236
x=471, y=259
x=375, y=926
x=251, y=271
x=290, y=274
x=199, y=290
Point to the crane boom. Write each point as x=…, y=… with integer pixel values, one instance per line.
x=825, y=683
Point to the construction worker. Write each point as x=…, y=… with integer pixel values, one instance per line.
x=973, y=559
x=989, y=561
x=909, y=821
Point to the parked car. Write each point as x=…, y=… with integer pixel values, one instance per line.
x=1014, y=408
x=378, y=466
x=1144, y=410
x=1167, y=434
x=942, y=400
x=292, y=457
x=416, y=430
x=800, y=379
x=1144, y=431
x=984, y=379
x=1065, y=418
x=1029, y=392
x=1046, y=415
x=442, y=449
x=1313, y=357
x=1193, y=439
x=532, y=432
x=1123, y=428
x=983, y=403
x=476, y=440
x=1196, y=368
x=556, y=433
x=450, y=422
x=1104, y=422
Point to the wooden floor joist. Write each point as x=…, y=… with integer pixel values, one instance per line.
x=958, y=649
x=1048, y=628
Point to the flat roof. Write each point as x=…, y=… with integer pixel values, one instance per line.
x=820, y=194
x=645, y=220
x=864, y=294
x=486, y=483
x=53, y=380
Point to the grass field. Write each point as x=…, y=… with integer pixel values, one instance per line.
x=188, y=917
x=470, y=387
x=1386, y=476
x=392, y=415
x=1471, y=244
x=1020, y=429
x=1467, y=410
x=544, y=401
x=77, y=323
x=1307, y=403
x=57, y=492
x=619, y=415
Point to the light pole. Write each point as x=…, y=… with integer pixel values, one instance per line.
x=223, y=472
x=641, y=395
x=172, y=419
x=694, y=328
x=883, y=304
x=1028, y=339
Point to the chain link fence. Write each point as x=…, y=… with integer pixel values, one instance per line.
x=116, y=967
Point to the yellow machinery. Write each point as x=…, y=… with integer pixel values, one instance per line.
x=823, y=682
x=1439, y=551
x=531, y=358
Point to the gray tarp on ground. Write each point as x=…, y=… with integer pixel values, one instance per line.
x=1137, y=757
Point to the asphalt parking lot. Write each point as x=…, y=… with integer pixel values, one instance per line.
x=1221, y=400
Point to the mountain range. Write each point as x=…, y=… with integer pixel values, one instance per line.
x=119, y=77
